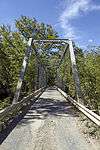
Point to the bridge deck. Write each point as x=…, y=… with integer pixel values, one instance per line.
x=50, y=124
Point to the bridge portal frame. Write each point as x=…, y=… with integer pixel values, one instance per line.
x=68, y=45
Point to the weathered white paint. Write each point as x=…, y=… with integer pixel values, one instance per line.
x=75, y=72
x=23, y=69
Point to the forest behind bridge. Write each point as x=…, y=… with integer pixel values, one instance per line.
x=12, y=49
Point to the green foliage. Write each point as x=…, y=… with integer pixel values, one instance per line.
x=88, y=64
x=31, y=28
x=12, y=50
x=89, y=72
x=5, y=103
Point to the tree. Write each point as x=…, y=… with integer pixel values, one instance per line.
x=12, y=51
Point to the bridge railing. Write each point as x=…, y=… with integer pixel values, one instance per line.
x=10, y=112
x=89, y=113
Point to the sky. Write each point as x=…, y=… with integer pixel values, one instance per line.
x=78, y=20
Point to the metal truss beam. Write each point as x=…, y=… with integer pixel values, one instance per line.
x=51, y=41
x=68, y=45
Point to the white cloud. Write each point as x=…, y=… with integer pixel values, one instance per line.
x=73, y=10
x=90, y=41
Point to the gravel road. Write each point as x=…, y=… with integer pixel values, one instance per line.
x=50, y=124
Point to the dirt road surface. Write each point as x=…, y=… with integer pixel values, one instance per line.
x=50, y=124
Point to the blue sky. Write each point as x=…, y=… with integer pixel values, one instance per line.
x=75, y=19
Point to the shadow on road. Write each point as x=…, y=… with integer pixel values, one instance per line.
x=5, y=132
x=41, y=109
x=44, y=108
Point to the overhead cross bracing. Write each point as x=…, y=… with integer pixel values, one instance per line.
x=68, y=45
x=55, y=41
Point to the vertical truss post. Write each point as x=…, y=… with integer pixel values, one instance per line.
x=58, y=79
x=39, y=84
x=36, y=65
x=23, y=70
x=75, y=72
x=45, y=77
x=37, y=76
x=40, y=76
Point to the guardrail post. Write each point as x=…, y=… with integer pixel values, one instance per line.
x=23, y=70
x=75, y=72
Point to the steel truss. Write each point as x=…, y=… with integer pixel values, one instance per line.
x=31, y=46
